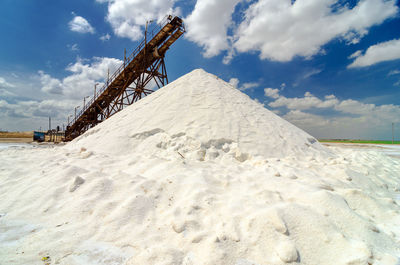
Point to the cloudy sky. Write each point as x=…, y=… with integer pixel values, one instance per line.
x=331, y=67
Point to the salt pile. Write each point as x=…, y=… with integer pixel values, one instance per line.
x=198, y=173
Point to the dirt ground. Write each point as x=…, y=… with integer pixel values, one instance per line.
x=16, y=140
x=16, y=134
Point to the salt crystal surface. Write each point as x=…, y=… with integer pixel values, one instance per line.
x=198, y=173
x=206, y=112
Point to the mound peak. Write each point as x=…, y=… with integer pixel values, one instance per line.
x=199, y=111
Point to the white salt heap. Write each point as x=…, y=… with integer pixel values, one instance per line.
x=199, y=112
x=198, y=174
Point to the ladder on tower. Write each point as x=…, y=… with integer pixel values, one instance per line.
x=128, y=83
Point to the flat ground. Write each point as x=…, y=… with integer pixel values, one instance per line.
x=16, y=140
x=16, y=134
x=16, y=137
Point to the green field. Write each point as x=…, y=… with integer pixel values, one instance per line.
x=357, y=141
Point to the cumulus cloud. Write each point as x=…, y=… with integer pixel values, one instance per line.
x=43, y=95
x=56, y=98
x=245, y=86
x=84, y=74
x=33, y=114
x=300, y=103
x=207, y=25
x=249, y=85
x=4, y=88
x=347, y=119
x=49, y=84
x=282, y=29
x=12, y=110
x=375, y=124
x=307, y=120
x=381, y=52
x=271, y=92
x=59, y=96
x=81, y=25
x=127, y=17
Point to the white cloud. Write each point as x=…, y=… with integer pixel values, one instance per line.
x=234, y=82
x=249, y=85
x=271, y=92
x=307, y=102
x=374, y=124
x=29, y=108
x=4, y=93
x=12, y=110
x=281, y=30
x=207, y=25
x=381, y=52
x=83, y=76
x=394, y=72
x=32, y=114
x=354, y=107
x=81, y=25
x=49, y=84
x=245, y=86
x=355, y=54
x=127, y=17
x=105, y=37
x=347, y=119
x=37, y=97
x=5, y=84
x=307, y=120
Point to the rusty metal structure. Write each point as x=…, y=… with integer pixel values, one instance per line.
x=128, y=83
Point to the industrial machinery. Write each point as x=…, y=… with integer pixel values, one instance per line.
x=129, y=81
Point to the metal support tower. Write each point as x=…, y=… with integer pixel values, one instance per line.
x=130, y=81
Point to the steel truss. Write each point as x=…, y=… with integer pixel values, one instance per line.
x=141, y=73
x=135, y=91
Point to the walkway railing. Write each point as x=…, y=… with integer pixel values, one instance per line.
x=149, y=34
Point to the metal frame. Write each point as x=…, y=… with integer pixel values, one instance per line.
x=129, y=82
x=137, y=89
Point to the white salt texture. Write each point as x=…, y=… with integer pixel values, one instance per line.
x=197, y=173
x=200, y=112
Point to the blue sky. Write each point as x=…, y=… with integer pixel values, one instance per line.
x=331, y=67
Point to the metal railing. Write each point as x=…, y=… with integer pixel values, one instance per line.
x=149, y=34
